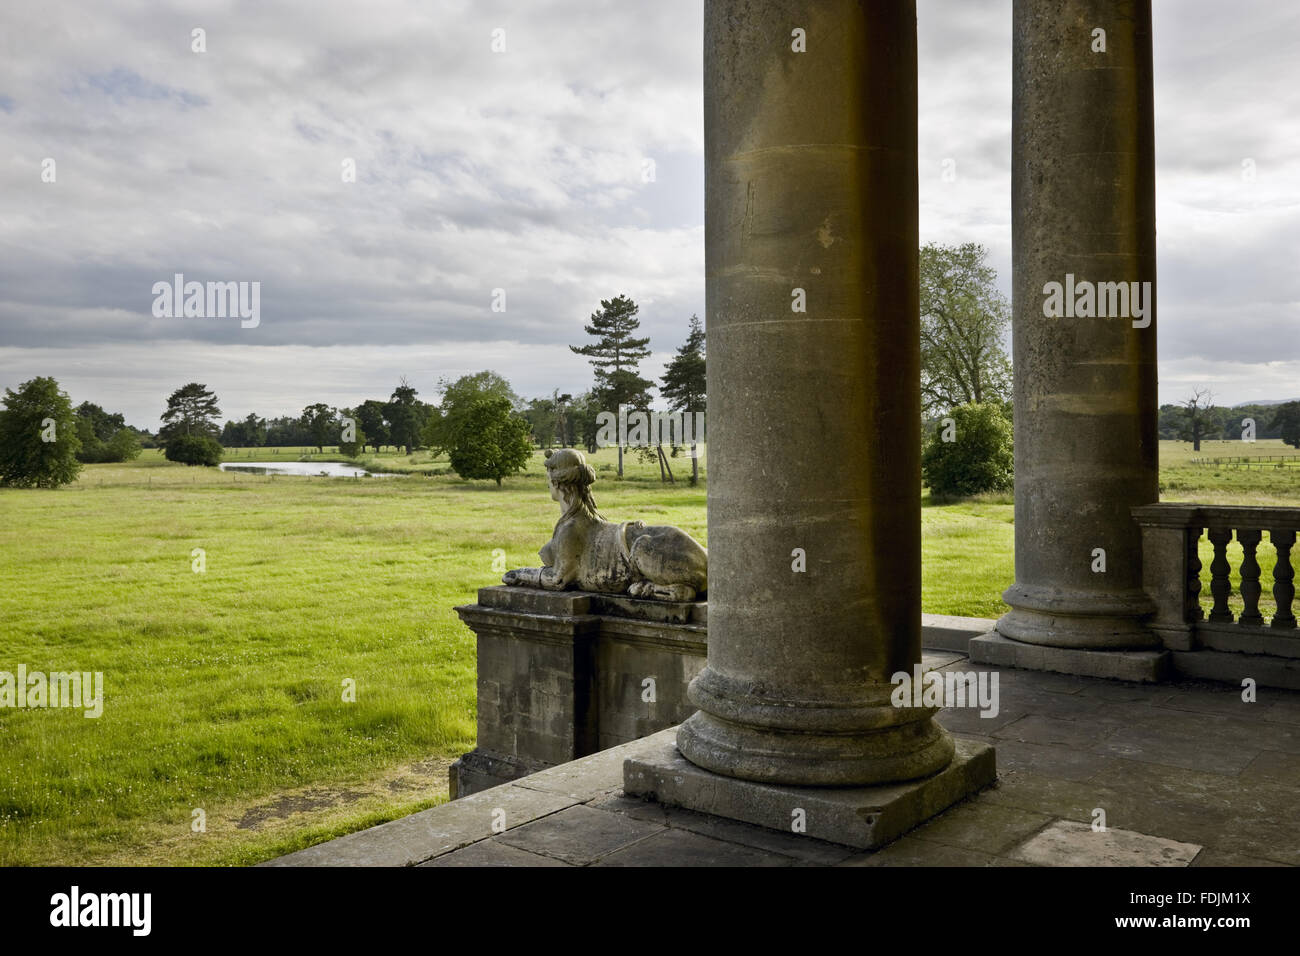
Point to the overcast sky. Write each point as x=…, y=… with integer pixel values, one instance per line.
x=525, y=170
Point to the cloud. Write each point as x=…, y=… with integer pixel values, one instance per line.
x=523, y=170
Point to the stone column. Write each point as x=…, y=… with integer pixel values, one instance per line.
x=1083, y=212
x=814, y=443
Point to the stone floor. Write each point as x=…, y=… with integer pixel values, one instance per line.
x=1185, y=774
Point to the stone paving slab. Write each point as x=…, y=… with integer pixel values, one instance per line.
x=797, y=847
x=1274, y=768
x=683, y=848
x=589, y=777
x=580, y=835
x=432, y=832
x=493, y=853
x=970, y=720
x=982, y=827
x=1054, y=731
x=909, y=851
x=1192, y=751
x=1077, y=844
x=1067, y=763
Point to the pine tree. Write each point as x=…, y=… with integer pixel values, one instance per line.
x=685, y=386
x=615, y=355
x=190, y=430
x=191, y=410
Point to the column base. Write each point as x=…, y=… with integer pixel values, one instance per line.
x=1143, y=666
x=862, y=817
x=768, y=755
x=1055, y=617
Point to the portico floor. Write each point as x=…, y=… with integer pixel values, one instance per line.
x=1185, y=774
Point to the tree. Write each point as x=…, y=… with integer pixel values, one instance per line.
x=491, y=441
x=615, y=355
x=191, y=410
x=123, y=446
x=562, y=405
x=1197, y=417
x=286, y=431
x=357, y=444
x=458, y=397
x=96, y=430
x=969, y=452
x=583, y=422
x=1286, y=419
x=322, y=422
x=548, y=418
x=963, y=321
x=102, y=425
x=253, y=431
x=685, y=385
x=371, y=421
x=405, y=415
x=38, y=436
x=544, y=421
x=194, y=449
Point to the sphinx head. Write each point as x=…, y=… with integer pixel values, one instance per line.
x=571, y=479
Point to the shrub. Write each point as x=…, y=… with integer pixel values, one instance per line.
x=970, y=454
x=194, y=450
x=123, y=446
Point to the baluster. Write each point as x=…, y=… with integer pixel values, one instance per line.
x=1192, y=545
x=1283, y=589
x=1250, y=586
x=1220, y=582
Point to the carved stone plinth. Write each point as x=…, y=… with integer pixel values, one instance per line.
x=562, y=674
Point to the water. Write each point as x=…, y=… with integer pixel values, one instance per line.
x=314, y=469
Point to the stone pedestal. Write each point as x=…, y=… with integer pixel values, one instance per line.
x=1144, y=667
x=863, y=817
x=1083, y=212
x=563, y=674
x=814, y=399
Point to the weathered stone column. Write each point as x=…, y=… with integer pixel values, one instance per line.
x=811, y=260
x=814, y=446
x=1083, y=216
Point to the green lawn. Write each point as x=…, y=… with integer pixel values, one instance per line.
x=1229, y=483
x=224, y=689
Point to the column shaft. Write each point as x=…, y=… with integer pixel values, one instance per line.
x=1083, y=217
x=814, y=445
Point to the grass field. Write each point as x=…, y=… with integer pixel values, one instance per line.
x=224, y=689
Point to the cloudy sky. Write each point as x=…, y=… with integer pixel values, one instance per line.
x=526, y=170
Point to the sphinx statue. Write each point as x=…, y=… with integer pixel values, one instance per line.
x=591, y=554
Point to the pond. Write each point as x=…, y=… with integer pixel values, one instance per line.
x=313, y=469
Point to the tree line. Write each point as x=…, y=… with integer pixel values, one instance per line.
x=484, y=428
x=1197, y=419
x=488, y=431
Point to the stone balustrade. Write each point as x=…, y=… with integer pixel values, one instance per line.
x=1172, y=567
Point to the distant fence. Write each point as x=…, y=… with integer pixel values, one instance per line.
x=1256, y=461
